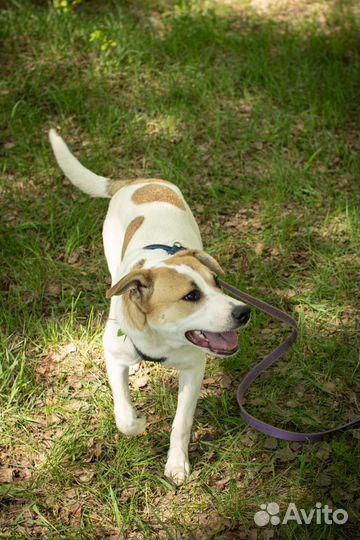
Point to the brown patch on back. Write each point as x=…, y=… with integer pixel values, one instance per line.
x=130, y=231
x=150, y=181
x=115, y=185
x=156, y=193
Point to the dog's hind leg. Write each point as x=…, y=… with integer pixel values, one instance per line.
x=120, y=355
x=178, y=466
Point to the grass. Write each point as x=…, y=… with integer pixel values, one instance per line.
x=253, y=113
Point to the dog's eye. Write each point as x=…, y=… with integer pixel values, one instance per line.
x=192, y=296
x=217, y=282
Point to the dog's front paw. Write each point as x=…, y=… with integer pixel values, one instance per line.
x=177, y=466
x=135, y=426
x=134, y=368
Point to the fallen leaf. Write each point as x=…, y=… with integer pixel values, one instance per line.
x=76, y=405
x=270, y=443
x=292, y=404
x=53, y=419
x=209, y=381
x=71, y=493
x=86, y=476
x=300, y=391
x=127, y=494
x=259, y=248
x=225, y=381
x=285, y=454
x=267, y=330
x=245, y=107
x=8, y=475
x=64, y=352
x=53, y=289
x=330, y=386
x=222, y=482
x=141, y=382
x=246, y=440
x=324, y=451
x=94, y=450
x=73, y=258
x=295, y=446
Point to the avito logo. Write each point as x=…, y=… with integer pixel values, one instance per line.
x=320, y=514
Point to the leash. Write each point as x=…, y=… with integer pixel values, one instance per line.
x=259, y=368
x=268, y=361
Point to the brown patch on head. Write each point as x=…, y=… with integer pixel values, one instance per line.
x=156, y=193
x=199, y=261
x=194, y=264
x=166, y=302
x=155, y=296
x=130, y=231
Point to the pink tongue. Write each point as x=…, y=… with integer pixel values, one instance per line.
x=225, y=341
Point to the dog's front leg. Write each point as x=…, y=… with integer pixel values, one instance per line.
x=125, y=415
x=178, y=466
x=119, y=355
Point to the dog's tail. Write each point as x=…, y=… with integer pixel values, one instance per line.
x=82, y=178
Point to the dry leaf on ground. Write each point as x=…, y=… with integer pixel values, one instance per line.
x=285, y=454
x=141, y=382
x=8, y=475
x=53, y=289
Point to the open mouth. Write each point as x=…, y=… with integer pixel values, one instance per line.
x=224, y=343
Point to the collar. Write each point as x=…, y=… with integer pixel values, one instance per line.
x=148, y=358
x=170, y=250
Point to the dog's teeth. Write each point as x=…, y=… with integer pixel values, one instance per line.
x=198, y=333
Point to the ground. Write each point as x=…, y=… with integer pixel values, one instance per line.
x=251, y=108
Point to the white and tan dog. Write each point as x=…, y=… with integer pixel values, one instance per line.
x=166, y=300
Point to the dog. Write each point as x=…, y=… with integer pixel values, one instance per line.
x=167, y=305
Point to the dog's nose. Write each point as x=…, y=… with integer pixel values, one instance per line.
x=241, y=314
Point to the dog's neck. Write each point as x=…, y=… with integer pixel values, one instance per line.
x=147, y=358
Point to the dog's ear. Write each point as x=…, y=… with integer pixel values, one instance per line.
x=204, y=258
x=138, y=281
x=210, y=262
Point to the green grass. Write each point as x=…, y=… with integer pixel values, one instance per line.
x=254, y=116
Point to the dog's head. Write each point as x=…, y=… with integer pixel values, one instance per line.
x=181, y=301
